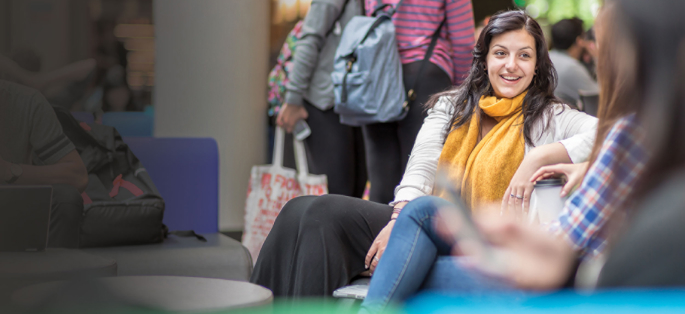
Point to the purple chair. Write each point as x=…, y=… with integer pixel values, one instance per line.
x=186, y=173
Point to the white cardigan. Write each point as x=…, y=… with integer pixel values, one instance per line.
x=573, y=129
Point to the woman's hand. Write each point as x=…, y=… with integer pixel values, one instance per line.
x=398, y=206
x=381, y=241
x=378, y=247
x=574, y=175
x=517, y=197
x=289, y=115
x=534, y=259
x=522, y=254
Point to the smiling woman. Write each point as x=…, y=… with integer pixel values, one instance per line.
x=489, y=135
x=510, y=66
x=511, y=63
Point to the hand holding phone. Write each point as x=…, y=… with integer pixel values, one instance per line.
x=301, y=130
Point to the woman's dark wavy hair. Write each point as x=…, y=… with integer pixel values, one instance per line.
x=540, y=98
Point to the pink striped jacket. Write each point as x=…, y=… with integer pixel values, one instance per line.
x=417, y=20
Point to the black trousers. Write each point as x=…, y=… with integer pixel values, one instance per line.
x=333, y=149
x=318, y=244
x=388, y=145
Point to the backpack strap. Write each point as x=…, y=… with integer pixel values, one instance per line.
x=119, y=182
x=397, y=6
x=382, y=7
x=342, y=11
x=411, y=93
x=86, y=199
x=290, y=57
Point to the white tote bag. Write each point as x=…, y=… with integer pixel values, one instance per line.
x=271, y=186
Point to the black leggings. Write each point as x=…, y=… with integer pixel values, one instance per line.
x=388, y=145
x=333, y=149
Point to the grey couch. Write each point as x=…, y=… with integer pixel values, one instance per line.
x=186, y=173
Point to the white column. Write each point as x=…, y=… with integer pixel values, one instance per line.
x=210, y=81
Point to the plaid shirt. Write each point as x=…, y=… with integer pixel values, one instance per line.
x=608, y=182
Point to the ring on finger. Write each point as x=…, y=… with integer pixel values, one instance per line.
x=519, y=197
x=512, y=195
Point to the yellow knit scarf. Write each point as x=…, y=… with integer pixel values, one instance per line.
x=486, y=167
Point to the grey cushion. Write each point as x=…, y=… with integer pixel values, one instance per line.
x=220, y=257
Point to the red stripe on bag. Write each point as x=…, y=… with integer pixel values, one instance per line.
x=120, y=182
x=86, y=199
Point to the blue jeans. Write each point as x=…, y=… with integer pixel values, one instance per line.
x=416, y=258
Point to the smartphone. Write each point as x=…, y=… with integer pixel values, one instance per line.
x=301, y=130
x=489, y=258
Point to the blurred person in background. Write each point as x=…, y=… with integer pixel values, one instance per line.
x=112, y=59
x=35, y=151
x=589, y=55
x=646, y=246
x=25, y=71
x=108, y=88
x=642, y=58
x=333, y=149
x=27, y=59
x=567, y=47
x=481, y=26
x=93, y=85
x=388, y=145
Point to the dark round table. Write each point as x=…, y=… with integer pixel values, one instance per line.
x=165, y=293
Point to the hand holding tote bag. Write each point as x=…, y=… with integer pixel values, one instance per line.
x=271, y=186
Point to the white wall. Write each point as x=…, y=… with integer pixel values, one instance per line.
x=210, y=78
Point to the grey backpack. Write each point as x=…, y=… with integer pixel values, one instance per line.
x=367, y=71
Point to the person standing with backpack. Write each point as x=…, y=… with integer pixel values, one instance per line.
x=333, y=149
x=388, y=145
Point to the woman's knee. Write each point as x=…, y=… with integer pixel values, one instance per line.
x=289, y=217
x=327, y=209
x=296, y=206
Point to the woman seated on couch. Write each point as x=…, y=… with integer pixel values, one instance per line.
x=500, y=126
x=639, y=149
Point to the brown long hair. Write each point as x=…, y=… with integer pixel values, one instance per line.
x=616, y=62
x=642, y=71
x=540, y=98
